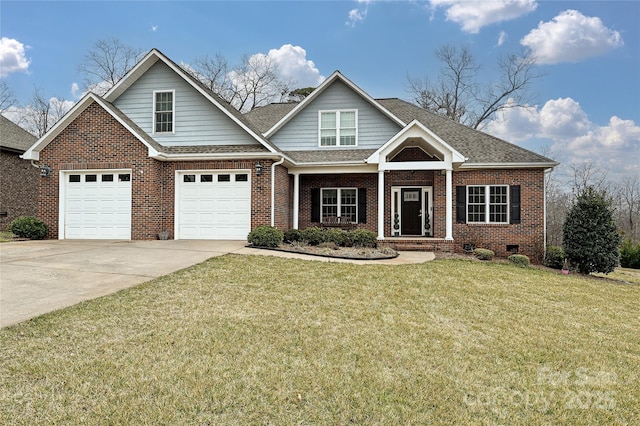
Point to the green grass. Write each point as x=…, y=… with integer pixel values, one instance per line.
x=6, y=236
x=263, y=340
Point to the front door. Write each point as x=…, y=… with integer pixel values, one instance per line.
x=411, y=220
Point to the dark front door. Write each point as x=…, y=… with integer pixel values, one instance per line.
x=411, y=218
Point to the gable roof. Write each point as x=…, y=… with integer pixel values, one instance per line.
x=33, y=153
x=480, y=148
x=14, y=137
x=154, y=56
x=336, y=76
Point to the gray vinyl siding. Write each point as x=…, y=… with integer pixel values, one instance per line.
x=196, y=120
x=301, y=133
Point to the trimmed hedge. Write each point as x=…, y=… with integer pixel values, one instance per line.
x=265, y=236
x=28, y=227
x=519, y=260
x=363, y=238
x=292, y=235
x=554, y=258
x=312, y=235
x=484, y=254
x=630, y=254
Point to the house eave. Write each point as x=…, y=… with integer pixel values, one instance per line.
x=160, y=156
x=525, y=165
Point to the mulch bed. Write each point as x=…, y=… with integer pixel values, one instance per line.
x=358, y=253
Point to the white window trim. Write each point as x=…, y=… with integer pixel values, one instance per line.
x=173, y=109
x=487, y=204
x=339, y=202
x=337, y=112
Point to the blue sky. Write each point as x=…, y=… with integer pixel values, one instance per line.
x=586, y=107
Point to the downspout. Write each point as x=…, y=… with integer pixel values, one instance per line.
x=273, y=189
x=544, y=209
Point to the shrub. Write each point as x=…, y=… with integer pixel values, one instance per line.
x=519, y=260
x=630, y=254
x=484, y=254
x=292, y=235
x=589, y=235
x=554, y=258
x=28, y=227
x=312, y=235
x=265, y=236
x=363, y=238
x=337, y=236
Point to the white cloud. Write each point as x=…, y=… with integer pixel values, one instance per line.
x=293, y=64
x=12, y=57
x=359, y=14
x=502, y=37
x=614, y=146
x=571, y=37
x=473, y=15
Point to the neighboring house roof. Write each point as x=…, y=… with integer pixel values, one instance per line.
x=13, y=137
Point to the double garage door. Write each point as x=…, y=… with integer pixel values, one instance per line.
x=208, y=205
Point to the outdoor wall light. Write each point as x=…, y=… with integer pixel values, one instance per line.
x=45, y=170
x=258, y=169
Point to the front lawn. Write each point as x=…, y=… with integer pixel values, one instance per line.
x=264, y=340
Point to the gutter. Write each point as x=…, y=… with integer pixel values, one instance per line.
x=273, y=189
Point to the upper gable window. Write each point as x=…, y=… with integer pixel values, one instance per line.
x=163, y=107
x=338, y=128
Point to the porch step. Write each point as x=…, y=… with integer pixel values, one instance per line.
x=427, y=244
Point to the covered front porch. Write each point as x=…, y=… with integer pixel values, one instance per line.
x=408, y=204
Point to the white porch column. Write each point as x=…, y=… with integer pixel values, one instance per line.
x=296, y=199
x=449, y=208
x=381, y=204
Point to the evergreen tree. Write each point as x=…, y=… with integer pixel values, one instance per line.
x=591, y=241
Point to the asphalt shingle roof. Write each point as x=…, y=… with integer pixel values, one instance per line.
x=264, y=117
x=14, y=137
x=477, y=146
x=330, y=155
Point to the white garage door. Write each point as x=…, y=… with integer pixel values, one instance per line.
x=97, y=205
x=213, y=205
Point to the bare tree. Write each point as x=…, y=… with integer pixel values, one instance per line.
x=42, y=113
x=106, y=63
x=7, y=99
x=459, y=95
x=455, y=87
x=587, y=174
x=255, y=82
x=213, y=72
x=627, y=203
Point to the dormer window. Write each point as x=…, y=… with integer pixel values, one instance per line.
x=338, y=128
x=163, y=108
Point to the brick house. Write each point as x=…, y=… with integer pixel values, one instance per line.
x=18, y=178
x=161, y=153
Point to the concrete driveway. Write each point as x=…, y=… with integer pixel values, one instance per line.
x=37, y=277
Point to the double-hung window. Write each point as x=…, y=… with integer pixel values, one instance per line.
x=341, y=202
x=163, y=108
x=487, y=204
x=338, y=128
